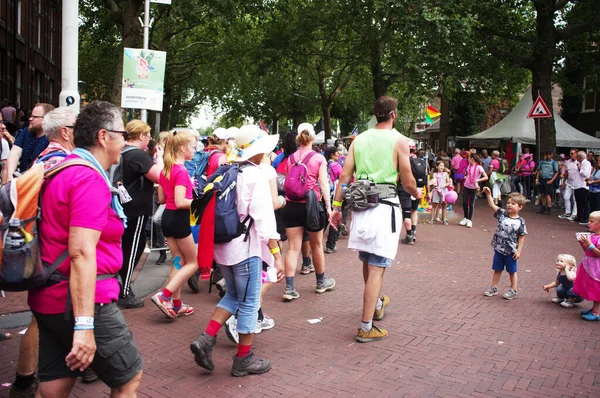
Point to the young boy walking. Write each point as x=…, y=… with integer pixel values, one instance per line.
x=507, y=241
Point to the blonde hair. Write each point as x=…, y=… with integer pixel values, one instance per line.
x=567, y=258
x=595, y=214
x=304, y=138
x=517, y=198
x=136, y=128
x=175, y=141
x=162, y=138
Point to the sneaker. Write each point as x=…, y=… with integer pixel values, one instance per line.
x=193, y=282
x=231, y=329
x=463, y=222
x=567, y=304
x=375, y=334
x=89, y=376
x=266, y=324
x=329, y=250
x=202, y=350
x=590, y=317
x=378, y=315
x=185, y=310
x=221, y=287
x=344, y=230
x=510, y=294
x=563, y=216
x=469, y=224
x=408, y=240
x=582, y=223
x=307, y=268
x=491, y=291
x=162, y=258
x=290, y=294
x=558, y=300
x=325, y=285
x=527, y=200
x=445, y=222
x=573, y=219
x=449, y=208
x=249, y=365
x=165, y=305
x=130, y=302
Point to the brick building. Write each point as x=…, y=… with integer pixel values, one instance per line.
x=30, y=51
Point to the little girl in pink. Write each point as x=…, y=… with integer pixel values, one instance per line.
x=587, y=281
x=440, y=181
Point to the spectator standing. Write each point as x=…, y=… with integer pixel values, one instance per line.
x=567, y=186
x=485, y=160
x=594, y=184
x=584, y=170
x=546, y=174
x=475, y=174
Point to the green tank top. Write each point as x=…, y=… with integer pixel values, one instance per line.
x=373, y=155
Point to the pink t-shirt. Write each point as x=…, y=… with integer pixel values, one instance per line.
x=495, y=164
x=179, y=176
x=313, y=166
x=214, y=161
x=78, y=197
x=473, y=173
x=455, y=162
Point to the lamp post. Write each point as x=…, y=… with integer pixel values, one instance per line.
x=69, y=96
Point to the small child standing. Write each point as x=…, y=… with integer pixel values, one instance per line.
x=587, y=282
x=565, y=266
x=507, y=241
x=440, y=181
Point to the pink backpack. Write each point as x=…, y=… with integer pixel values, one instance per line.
x=297, y=177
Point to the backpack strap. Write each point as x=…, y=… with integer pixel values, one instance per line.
x=392, y=205
x=53, y=154
x=307, y=157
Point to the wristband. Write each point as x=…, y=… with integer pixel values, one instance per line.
x=89, y=327
x=592, y=247
x=337, y=204
x=84, y=320
x=275, y=250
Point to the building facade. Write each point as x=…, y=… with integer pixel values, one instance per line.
x=30, y=51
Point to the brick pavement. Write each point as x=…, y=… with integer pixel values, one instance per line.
x=446, y=339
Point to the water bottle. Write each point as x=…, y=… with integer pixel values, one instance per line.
x=15, y=239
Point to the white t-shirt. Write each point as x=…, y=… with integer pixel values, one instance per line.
x=5, y=150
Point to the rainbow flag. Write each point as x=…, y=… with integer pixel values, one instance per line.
x=430, y=113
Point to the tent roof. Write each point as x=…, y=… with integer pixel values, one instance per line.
x=516, y=127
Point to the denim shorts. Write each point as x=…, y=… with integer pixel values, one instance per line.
x=375, y=260
x=243, y=281
x=501, y=261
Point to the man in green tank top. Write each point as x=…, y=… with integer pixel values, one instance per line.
x=379, y=154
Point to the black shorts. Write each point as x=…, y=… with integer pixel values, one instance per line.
x=406, y=203
x=294, y=215
x=117, y=360
x=176, y=223
x=545, y=189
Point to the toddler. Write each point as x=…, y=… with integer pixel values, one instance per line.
x=565, y=266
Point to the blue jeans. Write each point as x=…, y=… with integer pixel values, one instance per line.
x=567, y=294
x=243, y=283
x=374, y=259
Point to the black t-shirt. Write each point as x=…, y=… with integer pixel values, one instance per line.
x=136, y=163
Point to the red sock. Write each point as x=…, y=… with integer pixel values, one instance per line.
x=213, y=328
x=243, y=350
x=177, y=303
x=167, y=293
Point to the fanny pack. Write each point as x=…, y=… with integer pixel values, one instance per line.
x=364, y=194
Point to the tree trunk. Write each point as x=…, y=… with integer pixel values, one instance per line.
x=379, y=83
x=132, y=38
x=541, y=69
x=275, y=125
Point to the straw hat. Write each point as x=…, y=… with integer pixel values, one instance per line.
x=251, y=140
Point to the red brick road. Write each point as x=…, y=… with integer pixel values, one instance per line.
x=446, y=339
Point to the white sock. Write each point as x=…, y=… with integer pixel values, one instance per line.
x=366, y=326
x=379, y=304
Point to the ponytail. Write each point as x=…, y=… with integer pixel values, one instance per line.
x=175, y=141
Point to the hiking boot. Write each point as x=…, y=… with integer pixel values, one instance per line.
x=165, y=305
x=266, y=324
x=375, y=334
x=202, y=350
x=510, y=294
x=307, y=269
x=329, y=250
x=162, y=258
x=541, y=210
x=221, y=287
x=378, y=315
x=89, y=376
x=290, y=294
x=193, y=282
x=249, y=365
x=408, y=240
x=231, y=329
x=185, y=310
x=130, y=302
x=28, y=392
x=325, y=285
x=491, y=291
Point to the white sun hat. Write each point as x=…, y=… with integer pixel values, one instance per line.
x=250, y=140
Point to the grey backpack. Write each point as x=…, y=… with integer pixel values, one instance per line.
x=361, y=195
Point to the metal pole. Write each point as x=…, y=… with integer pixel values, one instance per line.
x=146, y=26
x=538, y=140
x=69, y=95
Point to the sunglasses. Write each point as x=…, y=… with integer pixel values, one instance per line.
x=124, y=133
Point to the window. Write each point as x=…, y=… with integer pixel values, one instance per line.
x=39, y=23
x=589, y=95
x=52, y=33
x=51, y=91
x=20, y=83
x=19, y=17
x=38, y=87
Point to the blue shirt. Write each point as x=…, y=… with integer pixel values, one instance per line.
x=31, y=146
x=547, y=168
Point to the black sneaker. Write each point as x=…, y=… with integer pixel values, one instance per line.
x=329, y=250
x=130, y=302
x=249, y=365
x=542, y=210
x=408, y=240
x=193, y=282
x=162, y=258
x=202, y=350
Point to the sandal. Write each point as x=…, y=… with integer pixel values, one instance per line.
x=438, y=220
x=4, y=336
x=429, y=222
x=591, y=317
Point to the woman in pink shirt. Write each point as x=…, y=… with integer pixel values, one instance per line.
x=473, y=176
x=175, y=191
x=294, y=214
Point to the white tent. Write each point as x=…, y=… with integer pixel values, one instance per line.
x=516, y=127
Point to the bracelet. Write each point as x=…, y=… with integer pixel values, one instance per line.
x=275, y=250
x=337, y=204
x=592, y=247
x=84, y=320
x=88, y=327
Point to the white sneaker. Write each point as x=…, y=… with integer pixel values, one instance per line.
x=231, y=329
x=567, y=304
x=469, y=224
x=266, y=324
x=463, y=222
x=558, y=300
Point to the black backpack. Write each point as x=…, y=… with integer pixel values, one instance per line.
x=419, y=171
x=116, y=174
